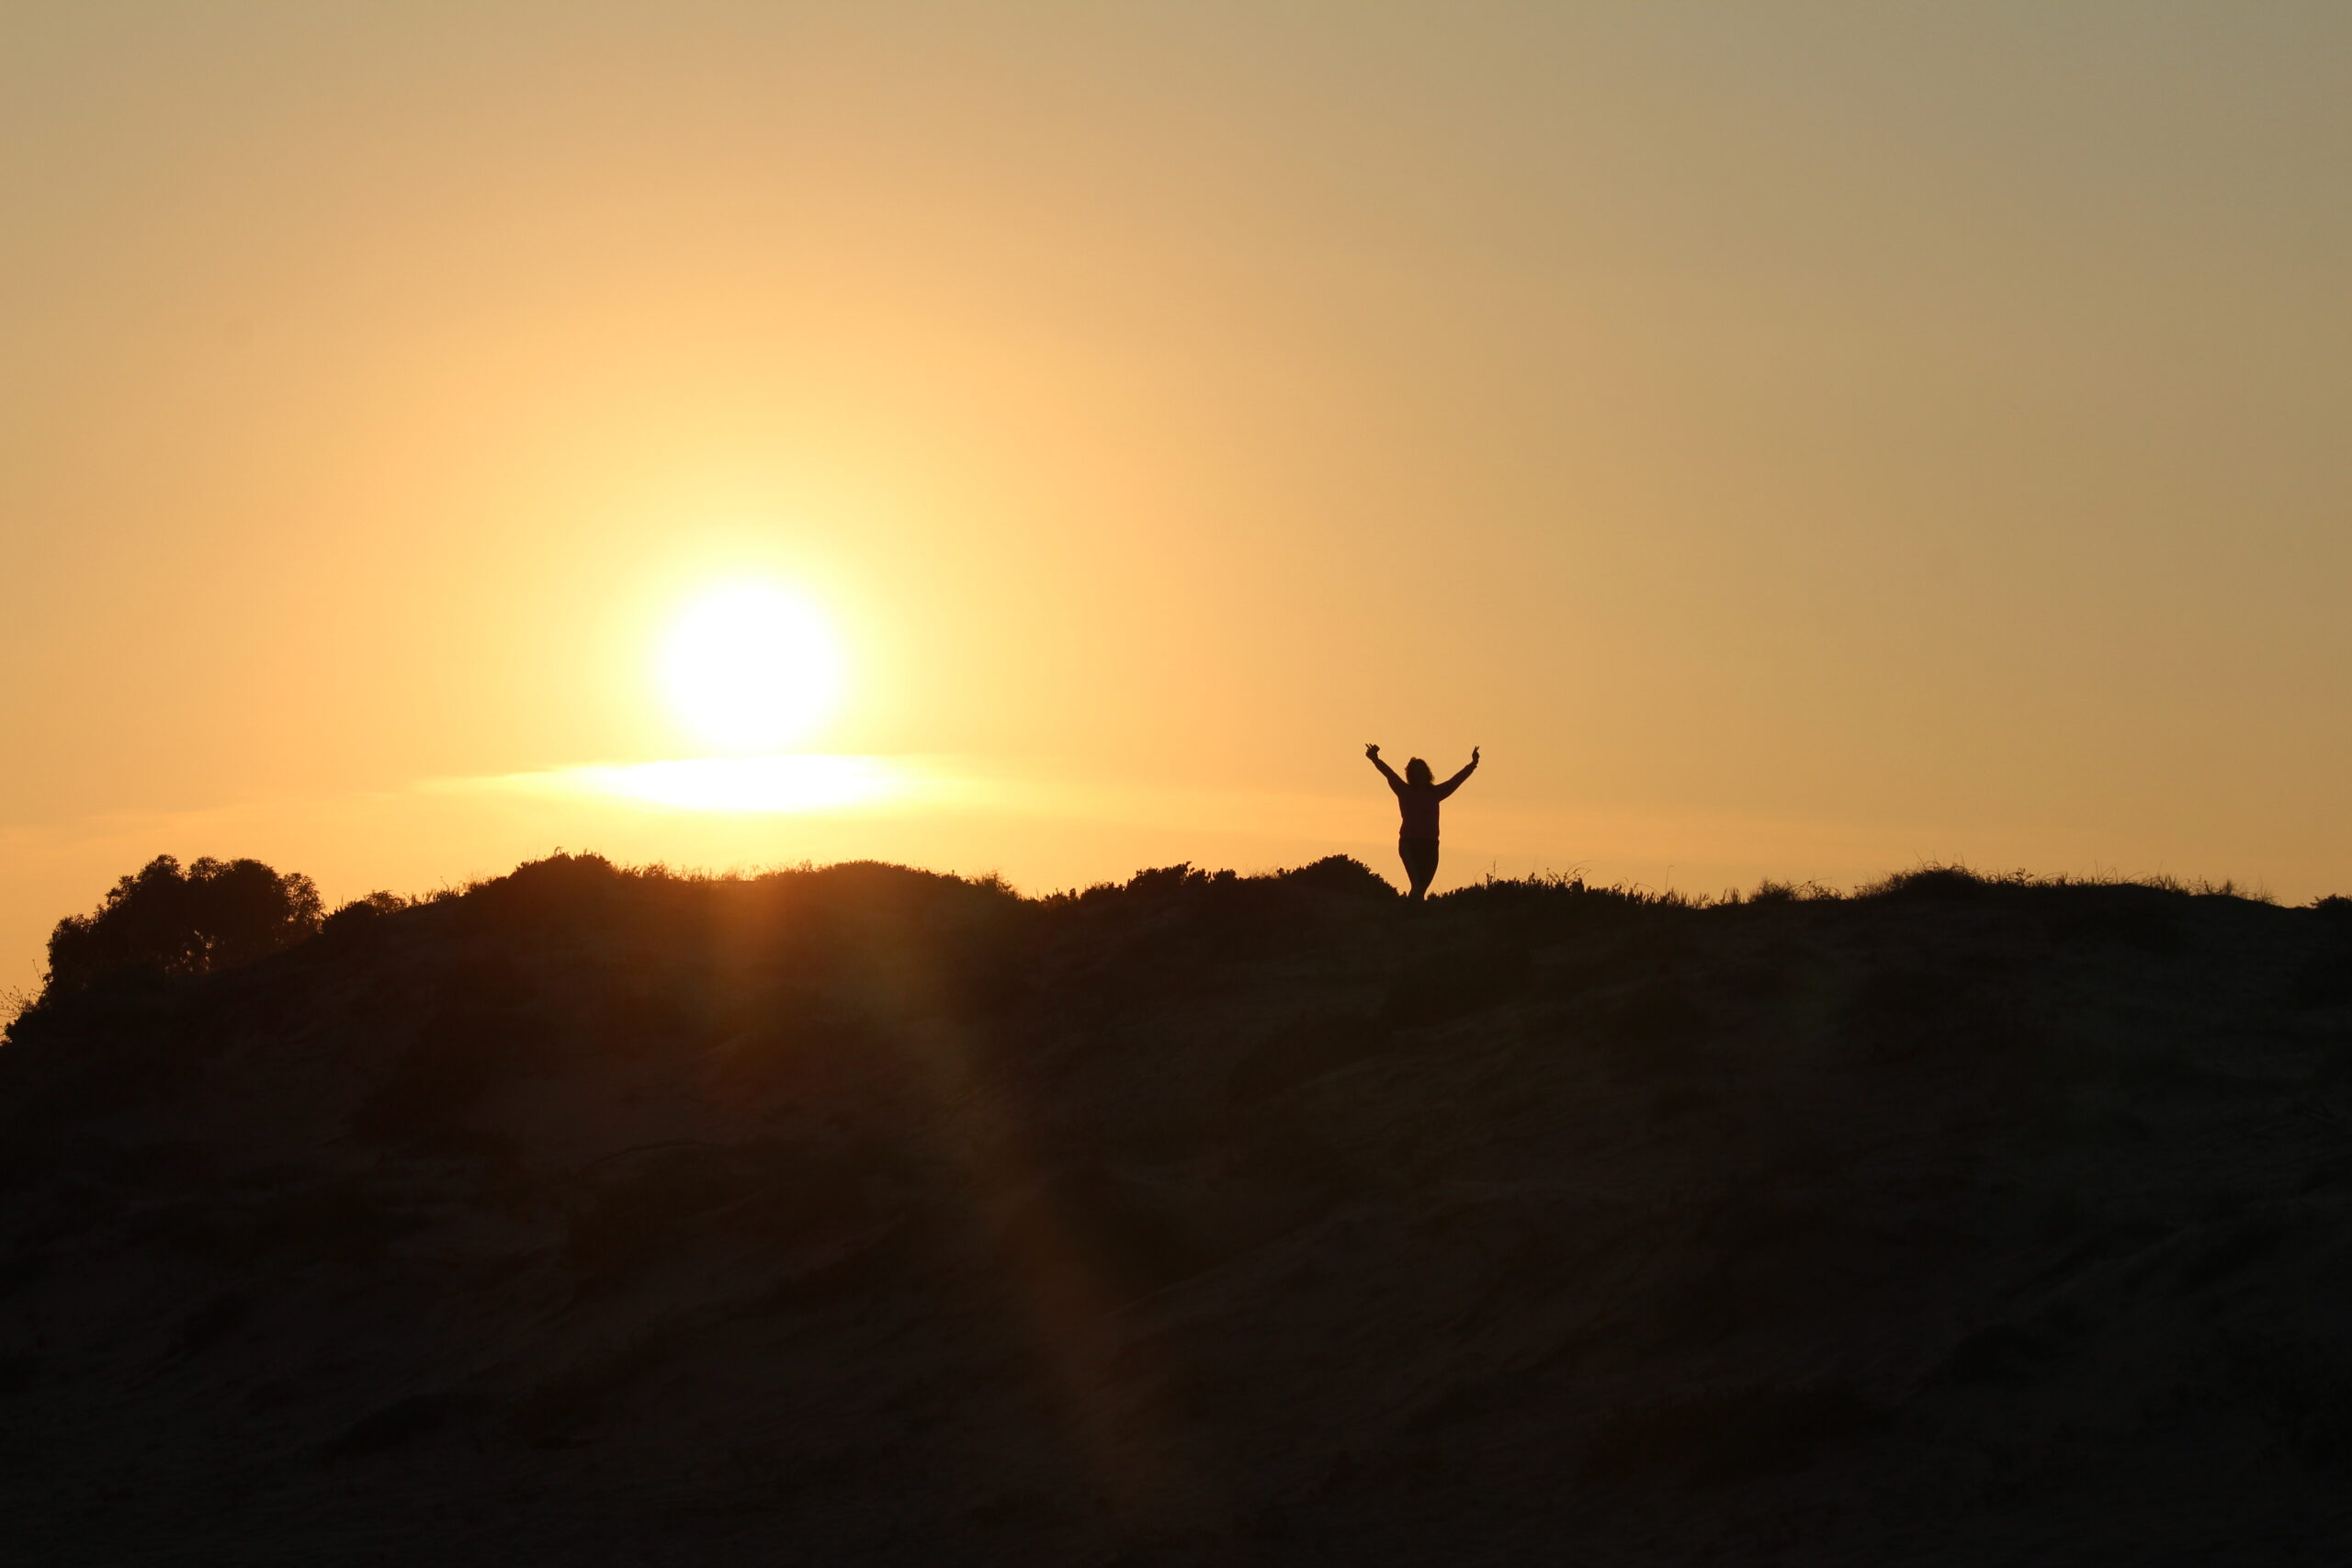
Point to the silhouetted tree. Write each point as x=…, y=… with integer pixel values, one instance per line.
x=215, y=915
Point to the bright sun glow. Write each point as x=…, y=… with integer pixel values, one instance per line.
x=745, y=783
x=751, y=667
x=741, y=786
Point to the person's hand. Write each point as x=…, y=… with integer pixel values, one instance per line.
x=1474, y=756
x=1372, y=752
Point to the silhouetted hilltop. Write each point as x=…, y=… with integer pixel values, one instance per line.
x=860, y=1214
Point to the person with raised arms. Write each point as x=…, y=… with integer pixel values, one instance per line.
x=1418, y=794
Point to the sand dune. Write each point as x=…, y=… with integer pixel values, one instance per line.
x=863, y=1215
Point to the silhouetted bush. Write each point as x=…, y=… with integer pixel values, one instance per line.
x=1946, y=883
x=1161, y=881
x=363, y=912
x=214, y=916
x=1340, y=875
x=559, y=894
x=1769, y=891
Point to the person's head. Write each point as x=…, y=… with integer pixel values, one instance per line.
x=1418, y=772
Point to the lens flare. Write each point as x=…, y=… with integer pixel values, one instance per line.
x=751, y=667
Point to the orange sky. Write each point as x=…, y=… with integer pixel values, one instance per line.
x=1792, y=439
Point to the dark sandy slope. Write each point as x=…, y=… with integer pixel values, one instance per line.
x=864, y=1216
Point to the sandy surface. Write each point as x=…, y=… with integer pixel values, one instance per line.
x=864, y=1216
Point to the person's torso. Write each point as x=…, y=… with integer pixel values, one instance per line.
x=1418, y=804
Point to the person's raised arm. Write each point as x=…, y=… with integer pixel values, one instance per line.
x=1386, y=770
x=1450, y=785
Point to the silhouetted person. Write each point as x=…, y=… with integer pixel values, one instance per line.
x=1417, y=797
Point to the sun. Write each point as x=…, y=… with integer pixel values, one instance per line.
x=751, y=667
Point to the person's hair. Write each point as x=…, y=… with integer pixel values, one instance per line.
x=1418, y=772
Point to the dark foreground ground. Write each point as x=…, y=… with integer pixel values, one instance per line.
x=863, y=1216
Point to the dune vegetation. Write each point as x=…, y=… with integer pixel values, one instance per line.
x=858, y=1214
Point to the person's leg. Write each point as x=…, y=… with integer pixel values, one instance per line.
x=1420, y=856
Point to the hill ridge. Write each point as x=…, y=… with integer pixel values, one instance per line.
x=862, y=1212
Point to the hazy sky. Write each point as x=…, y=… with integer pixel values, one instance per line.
x=1792, y=439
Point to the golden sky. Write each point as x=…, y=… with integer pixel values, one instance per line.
x=1791, y=439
